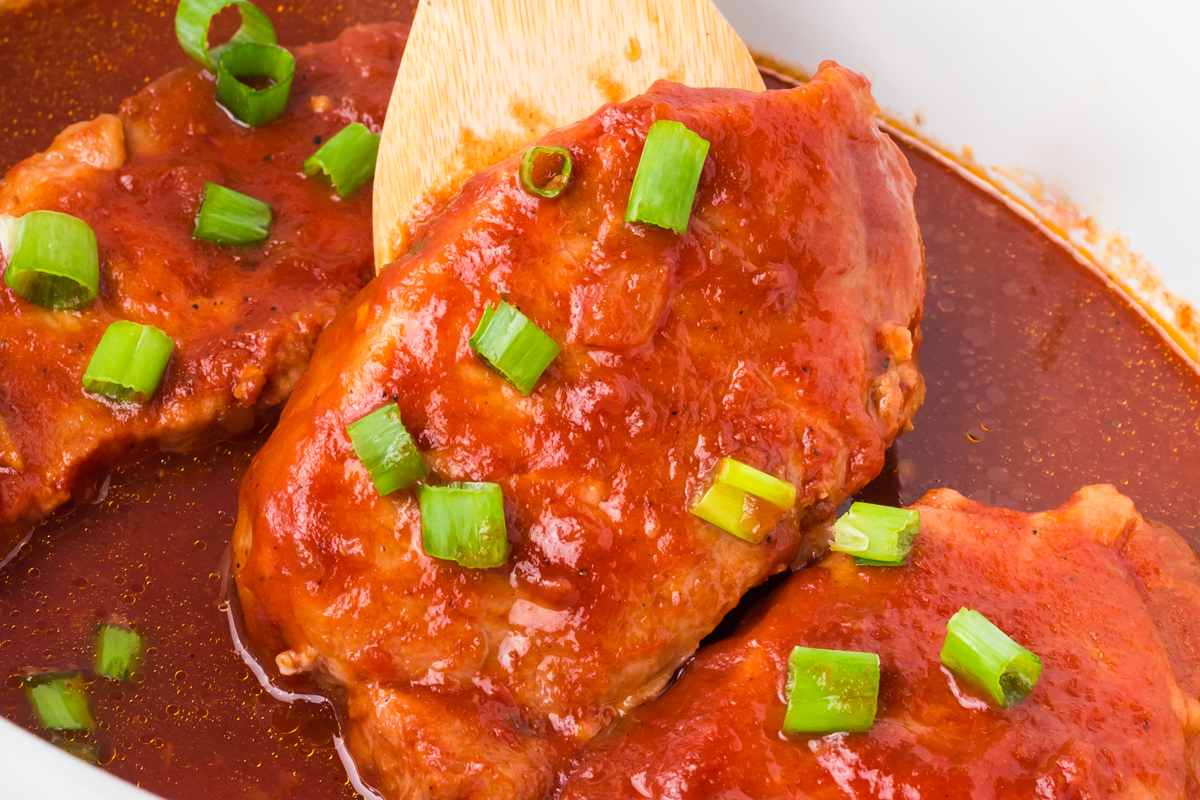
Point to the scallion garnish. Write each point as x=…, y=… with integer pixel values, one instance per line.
x=52, y=260
x=347, y=159
x=876, y=535
x=383, y=445
x=129, y=362
x=229, y=217
x=668, y=173
x=744, y=501
x=557, y=182
x=268, y=61
x=831, y=691
x=60, y=701
x=464, y=522
x=193, y=17
x=118, y=651
x=9, y=226
x=517, y=349
x=985, y=655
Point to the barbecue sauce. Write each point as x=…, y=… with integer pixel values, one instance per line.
x=1040, y=380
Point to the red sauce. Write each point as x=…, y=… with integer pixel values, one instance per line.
x=197, y=725
x=1040, y=380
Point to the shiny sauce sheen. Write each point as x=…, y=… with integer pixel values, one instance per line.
x=1040, y=380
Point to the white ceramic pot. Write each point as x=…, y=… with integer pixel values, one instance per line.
x=1095, y=100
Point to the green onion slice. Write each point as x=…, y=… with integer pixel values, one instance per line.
x=52, y=260
x=60, y=701
x=193, y=17
x=464, y=522
x=756, y=482
x=119, y=651
x=985, y=655
x=831, y=691
x=129, y=362
x=385, y=448
x=876, y=535
x=744, y=501
x=229, y=217
x=347, y=159
x=557, y=182
x=514, y=346
x=255, y=106
x=668, y=173
x=9, y=227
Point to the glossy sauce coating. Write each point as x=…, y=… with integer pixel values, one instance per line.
x=1109, y=603
x=781, y=329
x=1065, y=352
x=243, y=319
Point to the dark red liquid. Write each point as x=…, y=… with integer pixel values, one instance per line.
x=1040, y=381
x=198, y=725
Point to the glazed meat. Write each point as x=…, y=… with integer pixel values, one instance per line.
x=244, y=320
x=1109, y=601
x=781, y=330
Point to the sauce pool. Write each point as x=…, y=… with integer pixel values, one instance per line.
x=1040, y=380
x=195, y=723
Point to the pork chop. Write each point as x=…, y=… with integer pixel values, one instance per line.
x=781, y=329
x=244, y=320
x=1109, y=602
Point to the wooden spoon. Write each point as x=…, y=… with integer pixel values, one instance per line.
x=481, y=79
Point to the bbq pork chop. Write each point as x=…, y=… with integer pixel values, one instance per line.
x=781, y=330
x=244, y=319
x=1109, y=602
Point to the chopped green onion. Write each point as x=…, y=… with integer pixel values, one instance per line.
x=129, y=362
x=53, y=260
x=744, y=501
x=557, y=183
x=347, y=159
x=831, y=691
x=985, y=655
x=9, y=227
x=255, y=106
x=464, y=522
x=229, y=217
x=60, y=701
x=119, y=651
x=876, y=535
x=193, y=17
x=518, y=349
x=668, y=173
x=383, y=445
x=756, y=482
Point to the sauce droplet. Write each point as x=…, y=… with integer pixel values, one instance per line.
x=633, y=50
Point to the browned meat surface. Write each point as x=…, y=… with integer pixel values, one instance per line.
x=1108, y=601
x=781, y=330
x=244, y=320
